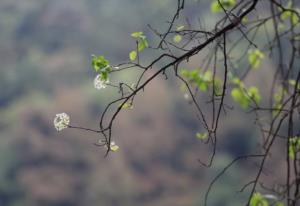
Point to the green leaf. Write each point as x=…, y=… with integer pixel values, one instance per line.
x=207, y=76
x=104, y=76
x=127, y=106
x=258, y=200
x=292, y=82
x=177, y=38
x=180, y=28
x=295, y=19
x=253, y=92
x=216, y=7
x=291, y=152
x=239, y=96
x=137, y=34
x=203, y=86
x=228, y=3
x=244, y=96
x=193, y=75
x=255, y=57
x=142, y=44
x=236, y=81
x=279, y=204
x=289, y=14
x=245, y=20
x=201, y=135
x=132, y=55
x=294, y=146
x=114, y=148
x=202, y=80
x=100, y=63
x=285, y=15
x=205, y=80
x=141, y=40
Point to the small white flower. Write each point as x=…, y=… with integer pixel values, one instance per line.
x=100, y=83
x=61, y=121
x=186, y=96
x=113, y=146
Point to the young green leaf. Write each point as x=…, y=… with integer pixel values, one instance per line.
x=236, y=81
x=291, y=152
x=289, y=14
x=141, y=40
x=142, y=44
x=258, y=200
x=177, y=38
x=132, y=55
x=113, y=147
x=292, y=82
x=239, y=96
x=201, y=135
x=100, y=63
x=253, y=93
x=127, y=106
x=294, y=146
x=179, y=28
x=203, y=81
x=137, y=34
x=295, y=19
x=216, y=7
x=279, y=204
x=255, y=57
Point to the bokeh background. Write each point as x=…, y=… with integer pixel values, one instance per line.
x=45, y=53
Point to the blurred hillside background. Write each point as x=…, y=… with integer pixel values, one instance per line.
x=45, y=53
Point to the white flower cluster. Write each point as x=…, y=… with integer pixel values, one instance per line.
x=61, y=121
x=100, y=83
